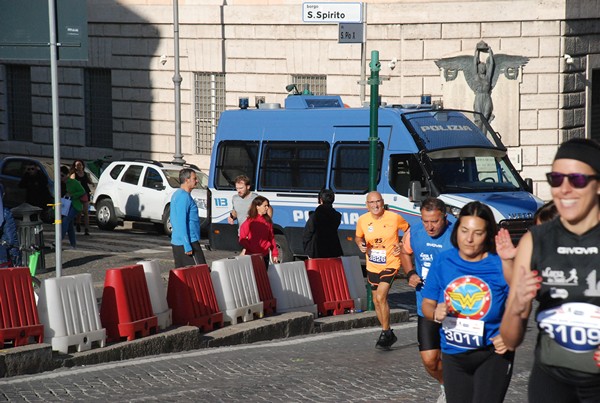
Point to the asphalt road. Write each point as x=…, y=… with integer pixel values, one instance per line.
x=333, y=367
x=103, y=250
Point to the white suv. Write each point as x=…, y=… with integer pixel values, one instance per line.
x=141, y=190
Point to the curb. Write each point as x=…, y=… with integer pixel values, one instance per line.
x=36, y=358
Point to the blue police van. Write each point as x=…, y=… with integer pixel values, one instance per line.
x=315, y=142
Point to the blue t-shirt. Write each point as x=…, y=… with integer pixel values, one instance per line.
x=184, y=220
x=425, y=250
x=475, y=291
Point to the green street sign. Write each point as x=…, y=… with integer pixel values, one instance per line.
x=25, y=32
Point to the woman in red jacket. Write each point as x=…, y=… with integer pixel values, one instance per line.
x=256, y=233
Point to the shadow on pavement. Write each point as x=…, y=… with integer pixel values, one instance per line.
x=81, y=261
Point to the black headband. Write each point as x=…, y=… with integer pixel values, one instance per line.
x=586, y=151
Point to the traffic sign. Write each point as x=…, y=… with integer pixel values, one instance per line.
x=332, y=12
x=351, y=33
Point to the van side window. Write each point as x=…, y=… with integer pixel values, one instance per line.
x=350, y=170
x=297, y=166
x=404, y=168
x=235, y=158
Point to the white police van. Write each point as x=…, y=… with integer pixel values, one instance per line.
x=316, y=142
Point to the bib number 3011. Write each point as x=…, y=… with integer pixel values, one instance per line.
x=463, y=333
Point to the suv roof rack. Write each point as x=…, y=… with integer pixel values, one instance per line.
x=157, y=163
x=182, y=164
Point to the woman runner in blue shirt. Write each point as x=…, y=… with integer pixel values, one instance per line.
x=465, y=292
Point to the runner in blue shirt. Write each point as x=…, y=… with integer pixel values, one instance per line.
x=465, y=292
x=424, y=243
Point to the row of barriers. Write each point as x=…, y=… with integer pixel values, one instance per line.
x=135, y=303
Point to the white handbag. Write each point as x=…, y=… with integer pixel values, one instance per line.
x=65, y=205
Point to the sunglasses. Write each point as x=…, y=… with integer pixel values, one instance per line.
x=578, y=181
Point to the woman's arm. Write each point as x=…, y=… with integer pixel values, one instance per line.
x=434, y=311
x=524, y=286
x=506, y=251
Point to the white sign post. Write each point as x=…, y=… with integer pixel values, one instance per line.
x=332, y=12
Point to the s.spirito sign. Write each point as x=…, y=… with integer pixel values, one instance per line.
x=332, y=12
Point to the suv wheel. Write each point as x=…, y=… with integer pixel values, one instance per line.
x=105, y=215
x=166, y=219
x=285, y=254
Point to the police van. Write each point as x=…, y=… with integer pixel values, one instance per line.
x=316, y=142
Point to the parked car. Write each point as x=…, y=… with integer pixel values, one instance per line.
x=12, y=169
x=141, y=190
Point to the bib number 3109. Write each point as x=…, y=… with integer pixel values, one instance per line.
x=575, y=326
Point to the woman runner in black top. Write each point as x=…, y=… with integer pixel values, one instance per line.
x=558, y=263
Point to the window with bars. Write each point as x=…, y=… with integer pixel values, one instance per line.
x=98, y=108
x=18, y=79
x=209, y=102
x=595, y=106
x=317, y=84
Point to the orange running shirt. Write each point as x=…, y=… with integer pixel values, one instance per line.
x=381, y=235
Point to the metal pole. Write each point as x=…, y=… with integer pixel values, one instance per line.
x=374, y=121
x=363, y=57
x=55, y=136
x=178, y=157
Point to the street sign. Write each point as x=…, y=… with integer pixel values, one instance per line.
x=351, y=33
x=25, y=31
x=332, y=12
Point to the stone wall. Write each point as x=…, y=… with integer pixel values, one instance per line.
x=260, y=44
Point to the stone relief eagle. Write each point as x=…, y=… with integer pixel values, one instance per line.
x=482, y=76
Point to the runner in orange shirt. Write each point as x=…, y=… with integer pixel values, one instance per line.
x=377, y=237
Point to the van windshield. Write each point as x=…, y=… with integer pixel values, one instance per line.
x=473, y=171
x=442, y=129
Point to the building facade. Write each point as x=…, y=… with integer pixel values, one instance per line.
x=120, y=101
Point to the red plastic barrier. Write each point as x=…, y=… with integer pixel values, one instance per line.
x=19, y=320
x=329, y=286
x=191, y=297
x=265, y=294
x=126, y=309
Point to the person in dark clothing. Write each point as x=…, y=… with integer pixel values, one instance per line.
x=35, y=184
x=78, y=172
x=320, y=233
x=10, y=256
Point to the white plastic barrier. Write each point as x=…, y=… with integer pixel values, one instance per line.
x=236, y=290
x=69, y=312
x=290, y=286
x=158, y=293
x=356, y=281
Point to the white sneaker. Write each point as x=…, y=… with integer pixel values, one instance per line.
x=442, y=397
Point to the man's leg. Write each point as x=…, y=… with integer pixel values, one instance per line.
x=382, y=308
x=428, y=336
x=198, y=254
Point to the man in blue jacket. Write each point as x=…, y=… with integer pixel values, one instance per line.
x=185, y=237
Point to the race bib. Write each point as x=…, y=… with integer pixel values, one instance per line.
x=377, y=256
x=463, y=333
x=574, y=326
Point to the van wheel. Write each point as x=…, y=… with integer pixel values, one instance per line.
x=105, y=215
x=285, y=254
x=166, y=219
